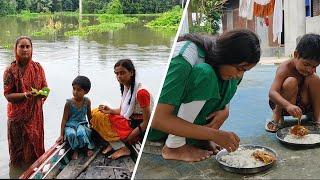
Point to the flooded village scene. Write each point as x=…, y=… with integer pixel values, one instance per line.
x=160, y=89
x=249, y=108
x=69, y=41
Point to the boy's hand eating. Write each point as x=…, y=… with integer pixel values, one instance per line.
x=294, y=111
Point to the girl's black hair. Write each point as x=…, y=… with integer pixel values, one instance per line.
x=83, y=82
x=232, y=47
x=127, y=63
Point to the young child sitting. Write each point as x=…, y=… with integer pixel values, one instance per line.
x=74, y=125
x=295, y=89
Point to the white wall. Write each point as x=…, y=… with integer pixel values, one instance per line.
x=294, y=23
x=313, y=25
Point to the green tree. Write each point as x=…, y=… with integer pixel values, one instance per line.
x=114, y=7
x=94, y=6
x=147, y=6
x=67, y=5
x=41, y=5
x=7, y=7
x=207, y=12
x=23, y=5
x=56, y=6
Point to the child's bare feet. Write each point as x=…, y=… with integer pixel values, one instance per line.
x=90, y=153
x=275, y=124
x=75, y=155
x=107, y=149
x=185, y=153
x=124, y=151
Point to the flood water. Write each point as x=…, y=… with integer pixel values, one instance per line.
x=93, y=56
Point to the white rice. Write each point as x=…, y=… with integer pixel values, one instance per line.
x=307, y=139
x=242, y=158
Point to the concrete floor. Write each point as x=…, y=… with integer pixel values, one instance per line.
x=292, y=164
x=248, y=111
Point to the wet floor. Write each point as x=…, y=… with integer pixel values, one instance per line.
x=248, y=111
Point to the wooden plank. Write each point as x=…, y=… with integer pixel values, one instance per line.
x=129, y=163
x=75, y=167
x=99, y=160
x=82, y=175
x=100, y=172
x=114, y=163
x=53, y=173
x=122, y=173
x=39, y=162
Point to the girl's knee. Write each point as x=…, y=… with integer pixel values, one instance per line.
x=81, y=134
x=70, y=135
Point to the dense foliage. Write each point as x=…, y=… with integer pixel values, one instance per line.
x=89, y=6
x=208, y=15
x=169, y=20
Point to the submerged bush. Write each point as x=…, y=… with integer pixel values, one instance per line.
x=116, y=18
x=169, y=20
x=108, y=22
x=103, y=27
x=49, y=29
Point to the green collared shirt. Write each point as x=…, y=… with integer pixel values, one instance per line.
x=190, y=79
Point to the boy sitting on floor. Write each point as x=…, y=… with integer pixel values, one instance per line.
x=296, y=88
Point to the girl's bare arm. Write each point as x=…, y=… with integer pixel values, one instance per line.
x=89, y=115
x=164, y=120
x=64, y=118
x=146, y=116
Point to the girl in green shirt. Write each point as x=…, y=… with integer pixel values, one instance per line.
x=201, y=80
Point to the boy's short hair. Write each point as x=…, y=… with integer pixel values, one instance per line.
x=309, y=47
x=83, y=82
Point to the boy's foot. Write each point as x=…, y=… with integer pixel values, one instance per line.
x=185, y=153
x=74, y=155
x=107, y=149
x=90, y=153
x=273, y=125
x=124, y=151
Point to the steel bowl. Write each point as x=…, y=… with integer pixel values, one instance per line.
x=281, y=133
x=252, y=170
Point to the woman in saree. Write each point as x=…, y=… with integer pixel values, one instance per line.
x=24, y=109
x=128, y=122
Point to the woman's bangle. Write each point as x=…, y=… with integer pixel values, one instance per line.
x=25, y=95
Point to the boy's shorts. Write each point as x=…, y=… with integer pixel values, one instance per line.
x=306, y=109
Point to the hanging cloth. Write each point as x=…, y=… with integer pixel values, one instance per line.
x=262, y=2
x=277, y=21
x=263, y=10
x=246, y=9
